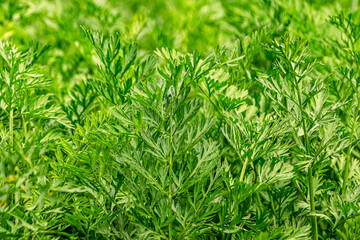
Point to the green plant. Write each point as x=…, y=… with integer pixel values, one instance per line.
x=180, y=119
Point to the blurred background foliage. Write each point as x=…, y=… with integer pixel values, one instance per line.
x=184, y=25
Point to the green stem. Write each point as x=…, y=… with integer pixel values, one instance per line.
x=243, y=169
x=348, y=156
x=11, y=118
x=314, y=227
x=11, y=128
x=170, y=195
x=170, y=181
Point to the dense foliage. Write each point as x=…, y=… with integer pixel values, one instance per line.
x=179, y=119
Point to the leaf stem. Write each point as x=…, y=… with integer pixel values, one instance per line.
x=11, y=128
x=348, y=156
x=11, y=118
x=243, y=169
x=314, y=227
x=170, y=181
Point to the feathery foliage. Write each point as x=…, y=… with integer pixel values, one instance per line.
x=179, y=119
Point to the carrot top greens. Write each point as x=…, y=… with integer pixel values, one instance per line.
x=179, y=119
